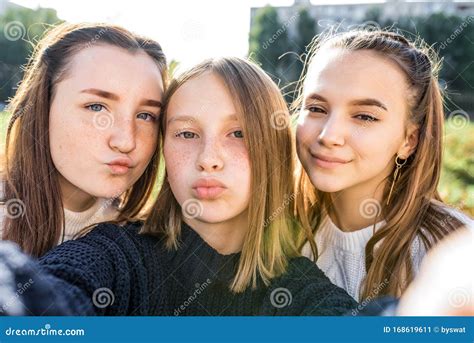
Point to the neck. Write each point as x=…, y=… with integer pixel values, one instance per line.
x=225, y=237
x=357, y=207
x=73, y=198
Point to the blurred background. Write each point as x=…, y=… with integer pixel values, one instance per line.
x=275, y=35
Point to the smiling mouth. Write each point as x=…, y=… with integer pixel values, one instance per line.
x=327, y=162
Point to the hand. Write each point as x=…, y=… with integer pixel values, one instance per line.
x=24, y=289
x=445, y=284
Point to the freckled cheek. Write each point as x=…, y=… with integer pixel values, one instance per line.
x=180, y=163
x=64, y=144
x=146, y=143
x=73, y=131
x=238, y=167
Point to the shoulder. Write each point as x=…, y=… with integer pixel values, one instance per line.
x=461, y=216
x=108, y=241
x=418, y=248
x=308, y=292
x=126, y=231
x=454, y=212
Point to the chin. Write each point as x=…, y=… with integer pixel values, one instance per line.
x=327, y=185
x=217, y=214
x=214, y=219
x=108, y=192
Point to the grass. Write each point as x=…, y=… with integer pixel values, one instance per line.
x=457, y=176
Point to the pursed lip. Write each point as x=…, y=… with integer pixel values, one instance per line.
x=120, y=166
x=208, y=183
x=208, y=188
x=121, y=161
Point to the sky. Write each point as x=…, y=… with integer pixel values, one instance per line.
x=188, y=31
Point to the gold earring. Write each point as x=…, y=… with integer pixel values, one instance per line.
x=396, y=175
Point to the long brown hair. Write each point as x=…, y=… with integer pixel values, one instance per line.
x=415, y=208
x=30, y=175
x=269, y=241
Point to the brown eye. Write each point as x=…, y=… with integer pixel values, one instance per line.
x=366, y=117
x=315, y=109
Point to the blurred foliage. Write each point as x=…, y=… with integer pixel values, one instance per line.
x=452, y=37
x=20, y=30
x=457, y=177
x=268, y=41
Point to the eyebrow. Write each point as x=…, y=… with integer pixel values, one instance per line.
x=358, y=102
x=369, y=102
x=230, y=117
x=108, y=95
x=101, y=93
x=153, y=103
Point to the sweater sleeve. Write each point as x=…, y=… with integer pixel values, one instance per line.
x=305, y=291
x=102, y=273
x=24, y=290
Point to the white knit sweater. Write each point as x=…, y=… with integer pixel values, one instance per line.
x=342, y=254
x=102, y=210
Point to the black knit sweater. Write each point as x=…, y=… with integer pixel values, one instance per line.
x=115, y=271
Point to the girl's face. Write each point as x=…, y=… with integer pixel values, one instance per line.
x=205, y=154
x=103, y=121
x=354, y=120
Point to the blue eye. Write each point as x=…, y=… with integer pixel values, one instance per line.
x=238, y=134
x=186, y=135
x=95, y=107
x=146, y=116
x=366, y=117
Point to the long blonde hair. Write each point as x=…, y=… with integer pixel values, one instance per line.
x=263, y=113
x=415, y=207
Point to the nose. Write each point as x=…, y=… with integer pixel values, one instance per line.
x=123, y=132
x=209, y=159
x=332, y=133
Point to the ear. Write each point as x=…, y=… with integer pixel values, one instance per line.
x=410, y=142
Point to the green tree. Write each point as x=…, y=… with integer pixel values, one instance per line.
x=268, y=41
x=20, y=30
x=452, y=37
x=305, y=28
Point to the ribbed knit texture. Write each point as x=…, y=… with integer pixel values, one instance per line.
x=342, y=254
x=146, y=279
x=102, y=210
